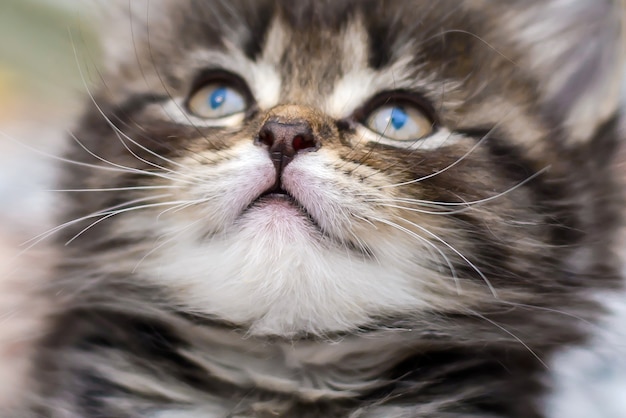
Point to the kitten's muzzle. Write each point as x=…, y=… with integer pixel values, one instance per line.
x=284, y=139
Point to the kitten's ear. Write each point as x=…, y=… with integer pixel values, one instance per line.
x=577, y=48
x=123, y=24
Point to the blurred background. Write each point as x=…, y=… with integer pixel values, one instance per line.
x=47, y=56
x=48, y=59
x=46, y=49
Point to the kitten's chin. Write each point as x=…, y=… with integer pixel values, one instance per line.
x=274, y=274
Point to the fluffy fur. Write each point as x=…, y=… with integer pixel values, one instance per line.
x=429, y=278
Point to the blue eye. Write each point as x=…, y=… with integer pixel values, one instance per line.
x=216, y=101
x=218, y=97
x=402, y=123
x=398, y=118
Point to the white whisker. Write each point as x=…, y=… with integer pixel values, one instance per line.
x=468, y=203
x=119, y=169
x=443, y=170
x=119, y=133
x=519, y=340
x=117, y=212
x=457, y=252
x=37, y=239
x=429, y=245
x=557, y=311
x=113, y=189
x=185, y=205
x=127, y=169
x=427, y=212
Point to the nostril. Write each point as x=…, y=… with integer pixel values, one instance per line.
x=303, y=142
x=266, y=137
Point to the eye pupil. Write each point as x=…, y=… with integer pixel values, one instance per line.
x=398, y=118
x=217, y=97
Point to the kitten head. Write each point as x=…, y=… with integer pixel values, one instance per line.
x=321, y=167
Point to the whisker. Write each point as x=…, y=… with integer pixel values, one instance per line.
x=427, y=212
x=113, y=189
x=430, y=245
x=143, y=160
x=127, y=169
x=119, y=169
x=411, y=151
x=353, y=150
x=519, y=340
x=362, y=245
x=119, y=133
x=457, y=252
x=558, y=311
x=184, y=205
x=117, y=212
x=443, y=170
x=49, y=232
x=432, y=203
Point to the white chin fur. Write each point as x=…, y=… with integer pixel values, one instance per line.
x=280, y=278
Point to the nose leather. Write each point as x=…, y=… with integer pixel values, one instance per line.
x=286, y=139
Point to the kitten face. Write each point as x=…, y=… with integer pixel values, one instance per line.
x=327, y=166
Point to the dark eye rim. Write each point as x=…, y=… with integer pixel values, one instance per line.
x=208, y=77
x=396, y=97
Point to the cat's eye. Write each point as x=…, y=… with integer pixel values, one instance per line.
x=216, y=100
x=400, y=116
x=401, y=122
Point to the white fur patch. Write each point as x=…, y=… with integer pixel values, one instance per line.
x=276, y=275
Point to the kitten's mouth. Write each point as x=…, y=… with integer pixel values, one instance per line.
x=281, y=195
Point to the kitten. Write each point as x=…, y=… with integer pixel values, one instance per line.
x=335, y=209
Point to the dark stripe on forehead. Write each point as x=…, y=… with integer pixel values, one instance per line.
x=258, y=26
x=319, y=14
x=379, y=41
x=384, y=25
x=215, y=24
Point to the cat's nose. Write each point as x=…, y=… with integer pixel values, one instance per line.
x=286, y=139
